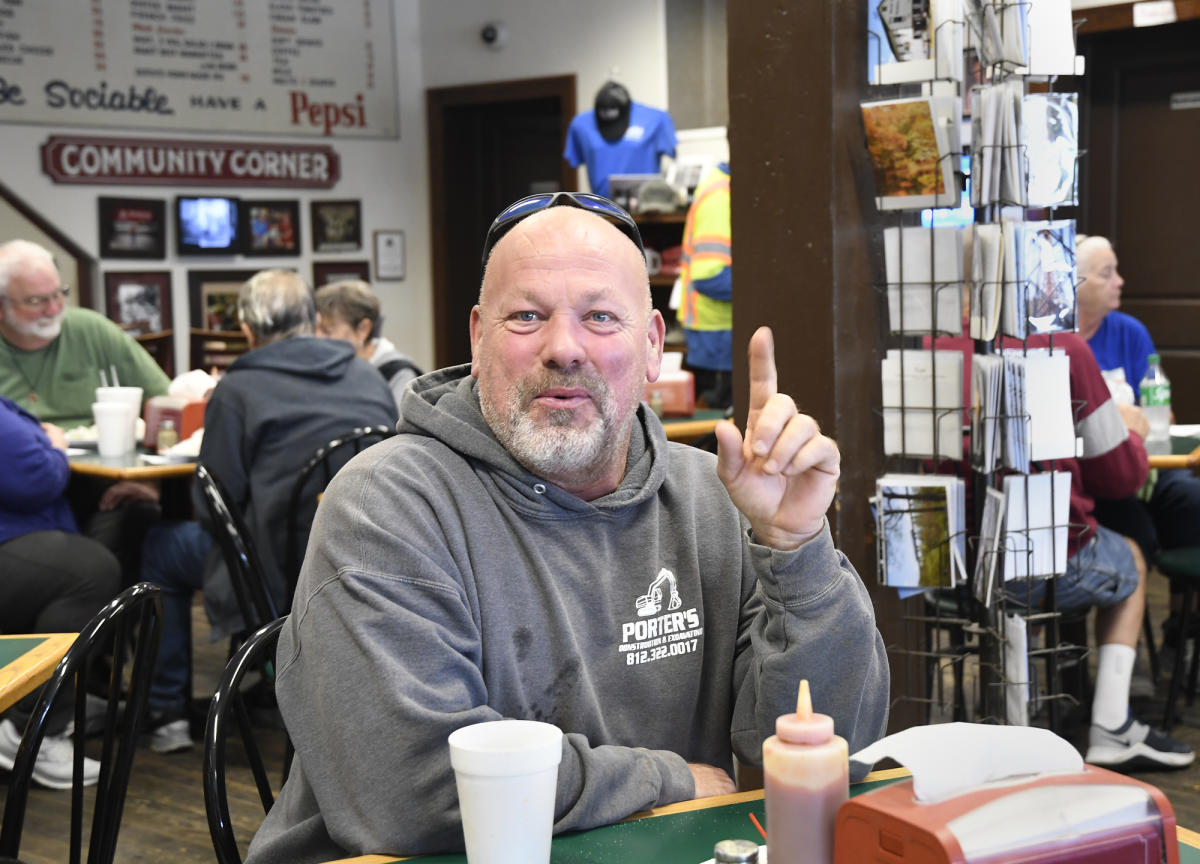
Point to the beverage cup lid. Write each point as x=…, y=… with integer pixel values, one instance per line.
x=505, y=748
x=104, y=394
x=99, y=408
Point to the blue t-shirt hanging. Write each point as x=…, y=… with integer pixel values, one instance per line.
x=649, y=135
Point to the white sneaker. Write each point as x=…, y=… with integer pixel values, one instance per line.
x=52, y=768
x=173, y=736
x=1136, y=745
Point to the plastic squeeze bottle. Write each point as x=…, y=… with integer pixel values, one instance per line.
x=807, y=771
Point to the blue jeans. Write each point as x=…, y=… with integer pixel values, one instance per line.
x=1168, y=520
x=173, y=556
x=1101, y=574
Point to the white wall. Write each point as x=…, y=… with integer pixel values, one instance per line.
x=437, y=44
x=549, y=37
x=388, y=176
x=625, y=39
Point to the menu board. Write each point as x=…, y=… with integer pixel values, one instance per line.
x=283, y=67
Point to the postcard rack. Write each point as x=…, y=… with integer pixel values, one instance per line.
x=982, y=638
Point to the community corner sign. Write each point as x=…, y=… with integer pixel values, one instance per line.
x=170, y=162
x=313, y=68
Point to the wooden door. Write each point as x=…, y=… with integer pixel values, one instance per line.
x=1141, y=130
x=489, y=145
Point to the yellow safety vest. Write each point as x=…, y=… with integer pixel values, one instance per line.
x=706, y=252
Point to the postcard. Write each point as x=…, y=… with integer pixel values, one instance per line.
x=924, y=275
x=1050, y=132
x=921, y=529
x=922, y=403
x=909, y=143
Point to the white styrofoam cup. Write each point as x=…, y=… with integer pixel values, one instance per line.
x=114, y=428
x=132, y=396
x=506, y=772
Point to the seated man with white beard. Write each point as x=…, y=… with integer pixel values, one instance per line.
x=515, y=549
x=51, y=357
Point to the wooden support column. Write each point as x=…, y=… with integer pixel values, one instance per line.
x=803, y=219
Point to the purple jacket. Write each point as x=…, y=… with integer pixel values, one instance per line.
x=33, y=476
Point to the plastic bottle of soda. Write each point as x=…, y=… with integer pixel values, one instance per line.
x=1156, y=404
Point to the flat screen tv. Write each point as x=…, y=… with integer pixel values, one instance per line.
x=207, y=225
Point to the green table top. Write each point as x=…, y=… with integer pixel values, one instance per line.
x=1183, y=444
x=679, y=838
x=11, y=649
x=689, y=840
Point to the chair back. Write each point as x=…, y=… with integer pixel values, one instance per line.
x=228, y=706
x=312, y=480
x=237, y=548
x=130, y=626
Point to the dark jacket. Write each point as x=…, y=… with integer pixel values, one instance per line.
x=33, y=475
x=275, y=406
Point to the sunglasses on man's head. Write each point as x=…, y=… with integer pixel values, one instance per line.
x=515, y=212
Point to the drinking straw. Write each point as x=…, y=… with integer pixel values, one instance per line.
x=113, y=368
x=758, y=826
x=103, y=379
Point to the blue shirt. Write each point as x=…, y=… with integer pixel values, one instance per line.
x=33, y=476
x=650, y=134
x=1123, y=342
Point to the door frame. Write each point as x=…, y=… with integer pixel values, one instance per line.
x=437, y=101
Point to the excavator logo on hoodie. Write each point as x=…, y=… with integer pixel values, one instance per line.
x=661, y=629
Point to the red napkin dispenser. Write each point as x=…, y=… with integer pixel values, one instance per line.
x=1094, y=816
x=677, y=390
x=187, y=415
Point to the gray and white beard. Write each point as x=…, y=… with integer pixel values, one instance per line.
x=42, y=328
x=557, y=448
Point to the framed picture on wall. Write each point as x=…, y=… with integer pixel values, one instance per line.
x=389, y=254
x=132, y=227
x=325, y=272
x=139, y=301
x=336, y=226
x=270, y=227
x=212, y=298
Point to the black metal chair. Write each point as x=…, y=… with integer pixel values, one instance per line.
x=311, y=482
x=1182, y=565
x=227, y=706
x=240, y=554
x=130, y=626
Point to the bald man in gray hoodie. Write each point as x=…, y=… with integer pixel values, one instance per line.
x=530, y=546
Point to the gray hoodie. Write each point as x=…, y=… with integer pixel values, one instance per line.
x=446, y=585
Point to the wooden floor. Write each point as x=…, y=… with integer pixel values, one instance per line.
x=165, y=819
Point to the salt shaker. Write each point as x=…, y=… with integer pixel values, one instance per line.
x=735, y=852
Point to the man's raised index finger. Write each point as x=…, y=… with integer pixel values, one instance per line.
x=764, y=380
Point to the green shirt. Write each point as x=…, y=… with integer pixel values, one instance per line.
x=65, y=374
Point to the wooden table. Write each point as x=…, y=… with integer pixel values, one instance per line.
x=128, y=467
x=688, y=429
x=1185, y=453
x=28, y=661
x=694, y=827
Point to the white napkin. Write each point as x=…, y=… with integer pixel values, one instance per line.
x=950, y=758
x=188, y=448
x=192, y=385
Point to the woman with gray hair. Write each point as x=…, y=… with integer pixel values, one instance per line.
x=349, y=310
